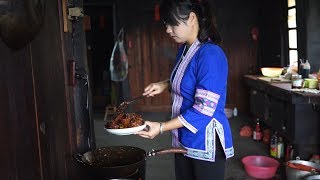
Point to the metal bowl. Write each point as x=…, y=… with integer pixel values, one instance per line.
x=313, y=177
x=297, y=174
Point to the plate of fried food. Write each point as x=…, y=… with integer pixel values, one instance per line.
x=125, y=124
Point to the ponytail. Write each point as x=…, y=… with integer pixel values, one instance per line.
x=173, y=10
x=207, y=24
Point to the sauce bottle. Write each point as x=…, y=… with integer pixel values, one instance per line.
x=306, y=70
x=257, y=133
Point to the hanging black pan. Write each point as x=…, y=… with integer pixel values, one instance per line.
x=119, y=161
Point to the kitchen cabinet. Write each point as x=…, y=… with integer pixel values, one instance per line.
x=257, y=98
x=295, y=115
x=277, y=114
x=272, y=110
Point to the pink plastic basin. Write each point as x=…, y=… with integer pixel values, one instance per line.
x=262, y=167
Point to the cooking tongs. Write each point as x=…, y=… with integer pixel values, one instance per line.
x=124, y=104
x=135, y=99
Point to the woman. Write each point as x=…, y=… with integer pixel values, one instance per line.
x=198, y=87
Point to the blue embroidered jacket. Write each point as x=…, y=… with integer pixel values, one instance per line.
x=199, y=86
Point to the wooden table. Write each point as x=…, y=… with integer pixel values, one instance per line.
x=295, y=115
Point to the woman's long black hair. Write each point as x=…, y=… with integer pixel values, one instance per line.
x=174, y=11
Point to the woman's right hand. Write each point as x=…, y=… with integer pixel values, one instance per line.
x=155, y=88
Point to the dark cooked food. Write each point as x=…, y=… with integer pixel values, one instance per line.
x=125, y=120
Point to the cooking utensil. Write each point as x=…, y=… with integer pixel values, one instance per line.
x=136, y=99
x=298, y=169
x=124, y=104
x=313, y=177
x=119, y=161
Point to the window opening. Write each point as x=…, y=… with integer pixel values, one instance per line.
x=292, y=33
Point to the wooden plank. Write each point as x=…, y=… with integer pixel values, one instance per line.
x=65, y=16
x=149, y=64
x=18, y=132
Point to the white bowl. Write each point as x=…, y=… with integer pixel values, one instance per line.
x=126, y=131
x=271, y=71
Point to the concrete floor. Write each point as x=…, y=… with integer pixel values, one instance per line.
x=162, y=167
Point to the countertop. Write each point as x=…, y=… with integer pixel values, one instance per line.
x=282, y=89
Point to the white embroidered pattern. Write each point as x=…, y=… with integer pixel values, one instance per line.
x=209, y=152
x=213, y=128
x=187, y=125
x=206, y=101
x=176, y=82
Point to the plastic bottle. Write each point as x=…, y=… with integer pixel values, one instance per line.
x=280, y=148
x=257, y=134
x=235, y=112
x=306, y=70
x=274, y=145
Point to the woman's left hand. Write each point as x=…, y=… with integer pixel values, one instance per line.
x=153, y=130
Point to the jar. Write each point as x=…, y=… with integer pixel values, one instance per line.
x=297, y=81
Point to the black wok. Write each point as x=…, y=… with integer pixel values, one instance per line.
x=119, y=161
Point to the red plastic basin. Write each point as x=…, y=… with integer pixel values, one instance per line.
x=262, y=167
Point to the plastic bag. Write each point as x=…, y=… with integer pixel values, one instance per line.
x=119, y=60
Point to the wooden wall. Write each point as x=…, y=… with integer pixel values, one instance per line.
x=235, y=20
x=312, y=9
x=151, y=58
x=42, y=122
x=19, y=134
x=38, y=123
x=148, y=38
